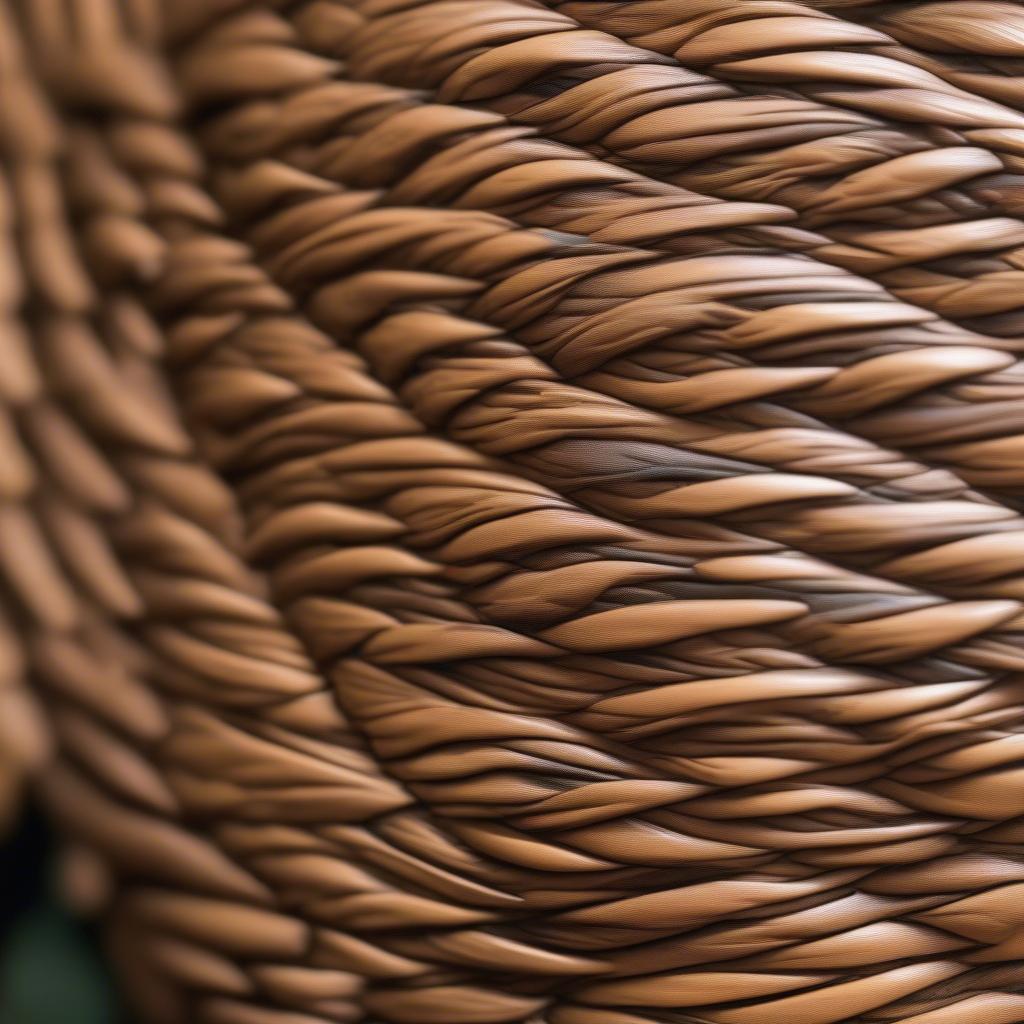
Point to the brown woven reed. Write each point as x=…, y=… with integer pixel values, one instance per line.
x=510, y=511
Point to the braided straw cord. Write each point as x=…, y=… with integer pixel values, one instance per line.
x=511, y=511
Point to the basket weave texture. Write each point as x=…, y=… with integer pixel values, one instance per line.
x=511, y=511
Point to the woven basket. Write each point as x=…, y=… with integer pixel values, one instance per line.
x=510, y=511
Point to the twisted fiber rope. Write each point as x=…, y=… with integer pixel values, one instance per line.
x=509, y=511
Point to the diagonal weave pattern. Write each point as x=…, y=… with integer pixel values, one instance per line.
x=511, y=512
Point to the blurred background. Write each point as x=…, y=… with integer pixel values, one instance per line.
x=51, y=967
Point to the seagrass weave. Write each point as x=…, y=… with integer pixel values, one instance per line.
x=511, y=511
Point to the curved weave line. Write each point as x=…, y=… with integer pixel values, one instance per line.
x=510, y=510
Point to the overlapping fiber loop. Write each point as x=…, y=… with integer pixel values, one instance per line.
x=511, y=511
